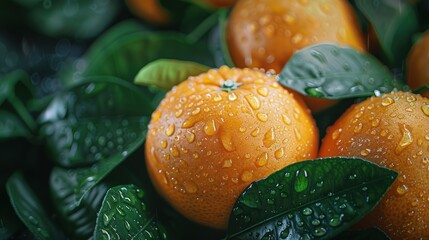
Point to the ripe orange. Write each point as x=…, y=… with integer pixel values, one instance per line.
x=393, y=131
x=215, y=133
x=417, y=64
x=265, y=33
x=149, y=10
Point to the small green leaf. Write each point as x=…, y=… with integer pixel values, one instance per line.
x=394, y=22
x=100, y=120
x=73, y=18
x=29, y=209
x=11, y=126
x=167, y=73
x=127, y=55
x=310, y=199
x=422, y=89
x=125, y=215
x=336, y=72
x=365, y=234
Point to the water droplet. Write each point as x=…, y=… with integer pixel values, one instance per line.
x=406, y=140
x=107, y=218
x=179, y=113
x=318, y=232
x=262, y=117
x=210, y=128
x=335, y=221
x=315, y=222
x=270, y=201
x=284, y=234
x=262, y=160
x=269, y=138
x=253, y=101
x=127, y=225
x=286, y=119
x=425, y=109
x=297, y=133
x=170, y=130
x=386, y=101
x=358, y=128
x=188, y=123
x=336, y=133
x=402, y=189
x=297, y=38
x=242, y=129
x=226, y=140
x=174, y=151
x=196, y=111
x=263, y=91
x=190, y=137
x=255, y=132
x=227, y=163
x=375, y=122
x=301, y=181
x=190, y=186
x=365, y=152
x=106, y=235
x=232, y=96
x=246, y=176
x=279, y=153
x=307, y=211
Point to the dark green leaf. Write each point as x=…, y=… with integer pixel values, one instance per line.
x=29, y=209
x=310, y=199
x=100, y=120
x=167, y=73
x=394, y=22
x=218, y=44
x=365, y=234
x=126, y=56
x=422, y=89
x=11, y=126
x=72, y=18
x=125, y=215
x=336, y=72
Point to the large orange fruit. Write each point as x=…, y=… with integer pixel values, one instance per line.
x=392, y=131
x=418, y=64
x=149, y=10
x=215, y=133
x=265, y=33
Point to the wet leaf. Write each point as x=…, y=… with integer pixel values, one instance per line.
x=125, y=215
x=100, y=120
x=127, y=55
x=167, y=73
x=310, y=199
x=336, y=72
x=394, y=22
x=73, y=18
x=29, y=209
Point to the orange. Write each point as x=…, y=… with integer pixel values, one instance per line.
x=266, y=33
x=215, y=133
x=418, y=64
x=392, y=131
x=149, y=10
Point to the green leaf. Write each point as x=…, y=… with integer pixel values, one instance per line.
x=167, y=73
x=370, y=233
x=310, y=199
x=421, y=89
x=29, y=209
x=218, y=43
x=73, y=18
x=100, y=120
x=336, y=72
x=125, y=215
x=394, y=22
x=11, y=126
x=126, y=56
x=15, y=92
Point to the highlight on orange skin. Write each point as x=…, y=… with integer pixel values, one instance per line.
x=418, y=64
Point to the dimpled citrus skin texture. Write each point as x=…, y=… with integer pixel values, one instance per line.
x=265, y=33
x=418, y=64
x=392, y=131
x=205, y=145
x=149, y=10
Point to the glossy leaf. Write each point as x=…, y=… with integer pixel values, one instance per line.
x=167, y=73
x=394, y=22
x=72, y=18
x=336, y=72
x=126, y=56
x=365, y=234
x=310, y=199
x=99, y=120
x=11, y=126
x=125, y=215
x=29, y=209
